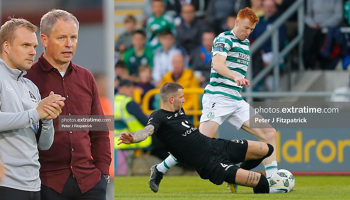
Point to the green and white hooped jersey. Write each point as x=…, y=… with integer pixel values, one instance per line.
x=237, y=60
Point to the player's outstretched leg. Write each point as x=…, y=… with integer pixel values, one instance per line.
x=166, y=164
x=255, y=180
x=157, y=172
x=251, y=154
x=267, y=135
x=256, y=153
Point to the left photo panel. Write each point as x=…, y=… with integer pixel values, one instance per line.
x=56, y=94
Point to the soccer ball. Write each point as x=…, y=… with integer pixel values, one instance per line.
x=282, y=177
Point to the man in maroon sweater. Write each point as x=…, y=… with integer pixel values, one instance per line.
x=76, y=166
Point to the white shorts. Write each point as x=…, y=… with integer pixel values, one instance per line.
x=219, y=108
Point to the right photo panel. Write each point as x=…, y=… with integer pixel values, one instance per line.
x=215, y=97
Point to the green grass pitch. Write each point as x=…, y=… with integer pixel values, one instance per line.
x=193, y=187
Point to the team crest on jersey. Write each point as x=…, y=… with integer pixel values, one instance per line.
x=144, y=61
x=32, y=97
x=211, y=115
x=219, y=47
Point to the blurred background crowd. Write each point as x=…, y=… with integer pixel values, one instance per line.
x=172, y=39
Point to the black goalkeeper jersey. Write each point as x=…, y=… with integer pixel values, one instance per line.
x=181, y=137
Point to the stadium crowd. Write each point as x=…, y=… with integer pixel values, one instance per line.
x=189, y=27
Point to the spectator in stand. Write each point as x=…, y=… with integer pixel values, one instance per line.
x=200, y=6
x=189, y=32
x=335, y=48
x=265, y=22
x=129, y=117
x=158, y=23
x=319, y=14
x=163, y=56
x=124, y=41
x=183, y=77
x=138, y=55
x=218, y=10
x=145, y=82
x=292, y=22
x=202, y=62
x=256, y=6
x=230, y=21
x=173, y=7
x=120, y=73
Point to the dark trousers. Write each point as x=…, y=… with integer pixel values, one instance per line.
x=71, y=191
x=313, y=41
x=12, y=194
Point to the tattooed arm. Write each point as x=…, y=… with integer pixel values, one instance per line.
x=140, y=135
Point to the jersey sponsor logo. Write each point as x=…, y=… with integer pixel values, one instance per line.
x=221, y=40
x=244, y=62
x=185, y=125
x=8, y=88
x=219, y=47
x=225, y=166
x=188, y=131
x=244, y=56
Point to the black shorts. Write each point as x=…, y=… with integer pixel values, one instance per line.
x=226, y=153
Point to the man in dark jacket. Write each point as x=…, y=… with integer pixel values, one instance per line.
x=189, y=33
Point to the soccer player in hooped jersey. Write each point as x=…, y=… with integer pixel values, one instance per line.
x=213, y=159
x=222, y=99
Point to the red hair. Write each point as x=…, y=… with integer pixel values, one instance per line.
x=248, y=13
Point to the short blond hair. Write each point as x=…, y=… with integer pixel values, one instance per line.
x=169, y=89
x=9, y=27
x=49, y=20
